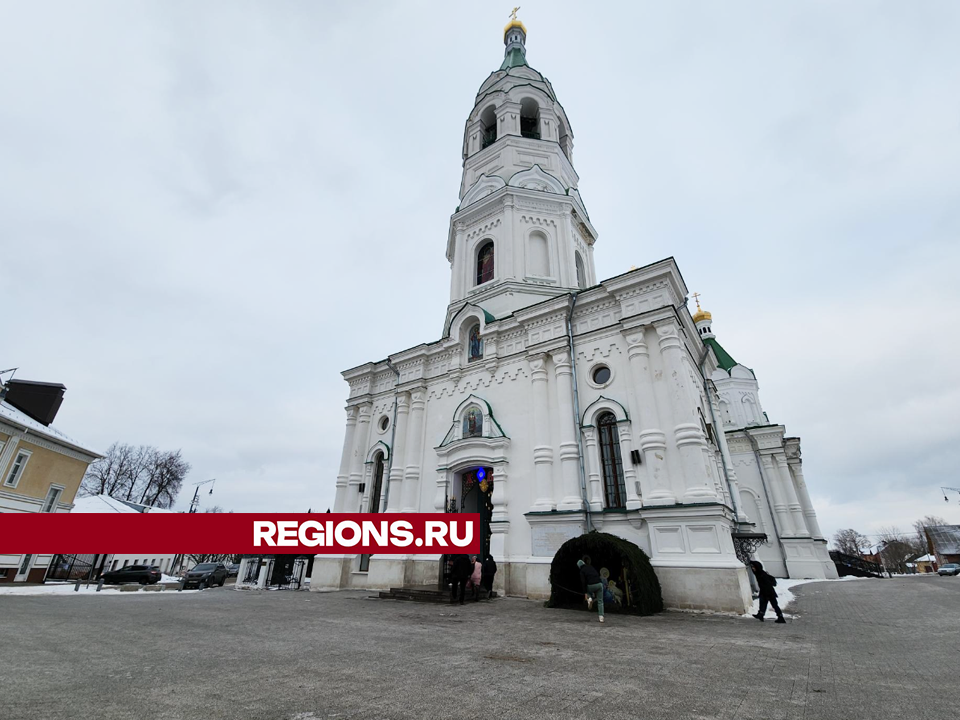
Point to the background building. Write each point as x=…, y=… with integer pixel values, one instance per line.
x=40, y=467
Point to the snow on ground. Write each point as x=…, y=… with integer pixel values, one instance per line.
x=69, y=589
x=785, y=597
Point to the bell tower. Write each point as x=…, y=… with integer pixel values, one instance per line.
x=521, y=232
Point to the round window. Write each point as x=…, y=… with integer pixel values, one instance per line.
x=384, y=423
x=601, y=374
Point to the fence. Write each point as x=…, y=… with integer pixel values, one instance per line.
x=72, y=567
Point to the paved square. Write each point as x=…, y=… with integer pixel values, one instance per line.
x=867, y=649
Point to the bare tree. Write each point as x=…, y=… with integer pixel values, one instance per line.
x=896, y=548
x=165, y=476
x=141, y=474
x=850, y=541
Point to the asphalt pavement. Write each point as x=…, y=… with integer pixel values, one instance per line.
x=865, y=649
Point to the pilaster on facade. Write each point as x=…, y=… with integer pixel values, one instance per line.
x=687, y=429
x=569, y=490
x=543, y=447
x=394, y=498
x=414, y=447
x=349, y=448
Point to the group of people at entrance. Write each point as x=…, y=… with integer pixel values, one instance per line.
x=468, y=572
x=596, y=589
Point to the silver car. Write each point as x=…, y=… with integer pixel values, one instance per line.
x=949, y=569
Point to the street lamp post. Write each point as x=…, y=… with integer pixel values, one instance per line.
x=194, y=504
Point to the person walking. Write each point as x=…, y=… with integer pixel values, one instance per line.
x=767, y=582
x=460, y=572
x=488, y=572
x=473, y=582
x=592, y=585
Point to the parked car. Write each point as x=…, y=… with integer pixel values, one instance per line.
x=206, y=575
x=143, y=574
x=949, y=569
x=233, y=569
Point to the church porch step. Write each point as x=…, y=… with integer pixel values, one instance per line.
x=419, y=594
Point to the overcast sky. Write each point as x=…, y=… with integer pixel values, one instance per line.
x=208, y=210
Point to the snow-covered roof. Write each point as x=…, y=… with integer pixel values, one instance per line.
x=107, y=504
x=11, y=414
x=100, y=504
x=925, y=558
x=946, y=538
x=145, y=508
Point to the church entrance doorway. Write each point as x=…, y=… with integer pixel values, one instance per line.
x=471, y=492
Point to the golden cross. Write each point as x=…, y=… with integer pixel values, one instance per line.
x=513, y=15
x=696, y=297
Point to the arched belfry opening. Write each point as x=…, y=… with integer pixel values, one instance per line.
x=530, y=118
x=488, y=126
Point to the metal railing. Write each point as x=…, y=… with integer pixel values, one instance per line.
x=853, y=565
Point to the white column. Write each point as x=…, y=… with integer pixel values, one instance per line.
x=507, y=263
x=629, y=472
x=352, y=496
x=457, y=290
x=499, y=497
x=647, y=416
x=725, y=461
x=398, y=452
x=687, y=430
x=813, y=525
x=772, y=477
x=348, y=449
x=440, y=496
x=793, y=502
x=569, y=490
x=542, y=449
x=593, y=469
x=411, y=473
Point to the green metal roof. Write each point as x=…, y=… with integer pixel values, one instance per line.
x=723, y=357
x=514, y=58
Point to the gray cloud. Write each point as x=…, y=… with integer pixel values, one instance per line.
x=208, y=211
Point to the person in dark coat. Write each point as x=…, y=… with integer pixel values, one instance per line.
x=592, y=585
x=487, y=573
x=766, y=581
x=462, y=569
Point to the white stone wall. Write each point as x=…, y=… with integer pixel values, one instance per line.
x=676, y=507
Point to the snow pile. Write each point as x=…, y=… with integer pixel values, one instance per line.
x=69, y=589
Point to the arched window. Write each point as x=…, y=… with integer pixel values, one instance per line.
x=377, y=486
x=538, y=255
x=530, y=118
x=485, y=263
x=614, y=489
x=581, y=274
x=488, y=125
x=474, y=344
x=473, y=423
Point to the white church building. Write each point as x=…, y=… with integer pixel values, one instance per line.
x=554, y=403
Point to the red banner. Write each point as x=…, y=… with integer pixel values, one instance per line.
x=240, y=533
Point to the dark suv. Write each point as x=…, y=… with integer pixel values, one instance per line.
x=206, y=575
x=143, y=574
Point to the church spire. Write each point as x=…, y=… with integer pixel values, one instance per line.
x=702, y=319
x=514, y=37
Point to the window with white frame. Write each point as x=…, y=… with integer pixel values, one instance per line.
x=16, y=470
x=53, y=497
